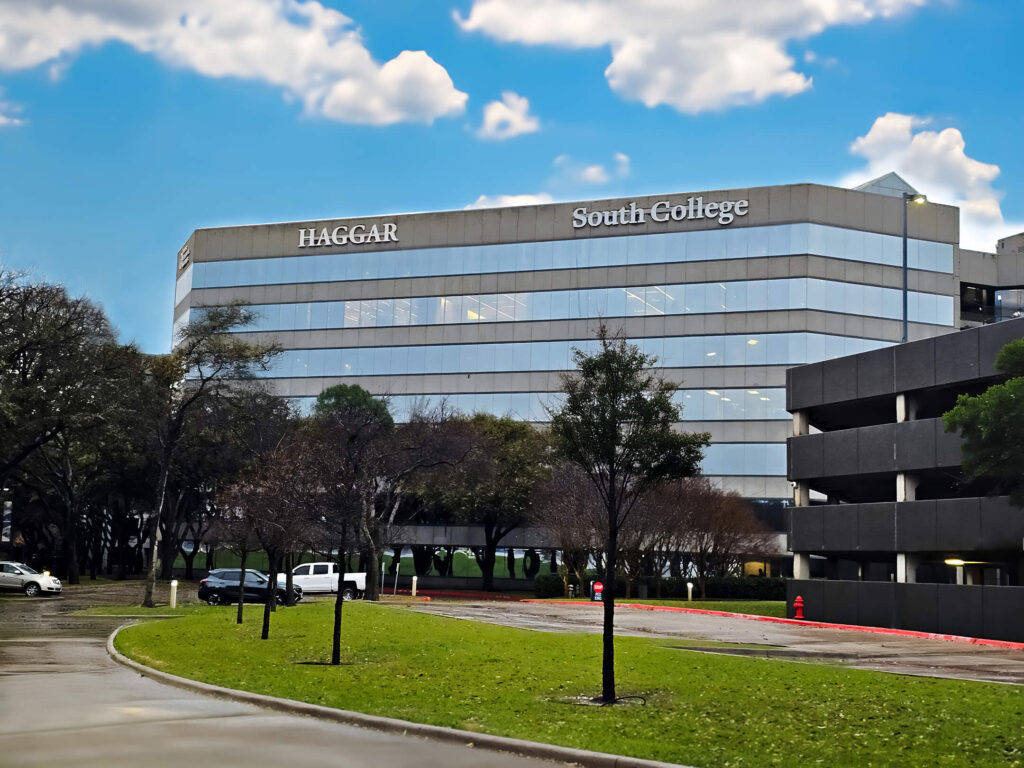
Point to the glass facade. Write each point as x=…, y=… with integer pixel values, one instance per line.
x=701, y=245
x=768, y=404
x=648, y=295
x=634, y=301
x=1009, y=303
x=672, y=352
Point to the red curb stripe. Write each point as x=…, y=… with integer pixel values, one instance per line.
x=803, y=623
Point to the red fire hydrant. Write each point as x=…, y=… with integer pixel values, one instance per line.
x=798, y=607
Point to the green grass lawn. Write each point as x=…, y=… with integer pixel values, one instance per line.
x=702, y=709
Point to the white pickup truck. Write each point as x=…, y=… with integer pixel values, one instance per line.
x=323, y=577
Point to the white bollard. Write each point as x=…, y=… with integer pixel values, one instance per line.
x=174, y=593
x=689, y=591
x=414, y=579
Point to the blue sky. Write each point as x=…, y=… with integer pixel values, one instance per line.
x=124, y=126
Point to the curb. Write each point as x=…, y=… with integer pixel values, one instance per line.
x=519, y=747
x=1007, y=644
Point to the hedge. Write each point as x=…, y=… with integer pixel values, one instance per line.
x=718, y=588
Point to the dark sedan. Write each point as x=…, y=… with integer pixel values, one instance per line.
x=221, y=586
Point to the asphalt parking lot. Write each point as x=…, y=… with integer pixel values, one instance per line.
x=863, y=650
x=65, y=702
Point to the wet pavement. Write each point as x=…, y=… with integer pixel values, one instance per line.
x=64, y=702
x=687, y=631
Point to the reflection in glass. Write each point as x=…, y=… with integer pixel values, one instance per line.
x=649, y=301
x=703, y=245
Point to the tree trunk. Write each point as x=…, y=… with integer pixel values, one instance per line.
x=339, y=601
x=71, y=547
x=510, y=562
x=154, y=531
x=485, y=559
x=190, y=558
x=271, y=602
x=288, y=582
x=241, y=589
x=608, y=633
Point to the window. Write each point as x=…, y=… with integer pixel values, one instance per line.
x=302, y=570
x=320, y=569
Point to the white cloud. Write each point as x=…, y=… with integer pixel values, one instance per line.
x=569, y=175
x=507, y=118
x=570, y=172
x=9, y=113
x=693, y=56
x=935, y=163
x=506, y=201
x=622, y=165
x=313, y=53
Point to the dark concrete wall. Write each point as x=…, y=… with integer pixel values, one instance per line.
x=878, y=449
x=996, y=613
x=944, y=525
x=935, y=362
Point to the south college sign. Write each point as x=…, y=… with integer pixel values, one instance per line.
x=724, y=212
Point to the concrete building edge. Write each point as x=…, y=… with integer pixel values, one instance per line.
x=519, y=747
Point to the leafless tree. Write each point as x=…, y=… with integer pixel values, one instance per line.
x=568, y=507
x=716, y=528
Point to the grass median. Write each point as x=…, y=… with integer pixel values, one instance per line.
x=702, y=709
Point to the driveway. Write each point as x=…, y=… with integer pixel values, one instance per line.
x=64, y=702
x=864, y=650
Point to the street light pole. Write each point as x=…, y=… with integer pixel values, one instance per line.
x=907, y=198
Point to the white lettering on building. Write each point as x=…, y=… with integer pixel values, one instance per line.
x=723, y=212
x=356, y=234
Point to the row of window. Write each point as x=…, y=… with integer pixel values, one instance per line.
x=672, y=352
x=640, y=301
x=767, y=404
x=702, y=245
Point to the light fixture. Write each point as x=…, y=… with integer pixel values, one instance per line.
x=751, y=342
x=920, y=199
x=753, y=392
x=712, y=392
x=955, y=561
x=711, y=354
x=766, y=398
x=727, y=399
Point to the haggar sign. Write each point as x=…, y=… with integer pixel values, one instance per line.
x=356, y=234
x=723, y=212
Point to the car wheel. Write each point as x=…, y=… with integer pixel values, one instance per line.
x=31, y=589
x=213, y=599
x=348, y=593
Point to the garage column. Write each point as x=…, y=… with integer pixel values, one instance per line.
x=801, y=566
x=906, y=487
x=906, y=567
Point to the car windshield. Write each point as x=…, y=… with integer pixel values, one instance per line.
x=26, y=568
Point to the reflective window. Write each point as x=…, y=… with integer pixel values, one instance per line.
x=1009, y=304
x=672, y=352
x=704, y=245
x=756, y=459
x=767, y=404
x=652, y=300
x=182, y=286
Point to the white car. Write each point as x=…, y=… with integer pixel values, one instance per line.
x=28, y=580
x=323, y=577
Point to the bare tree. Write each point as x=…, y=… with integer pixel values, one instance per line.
x=276, y=500
x=568, y=508
x=716, y=528
x=206, y=363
